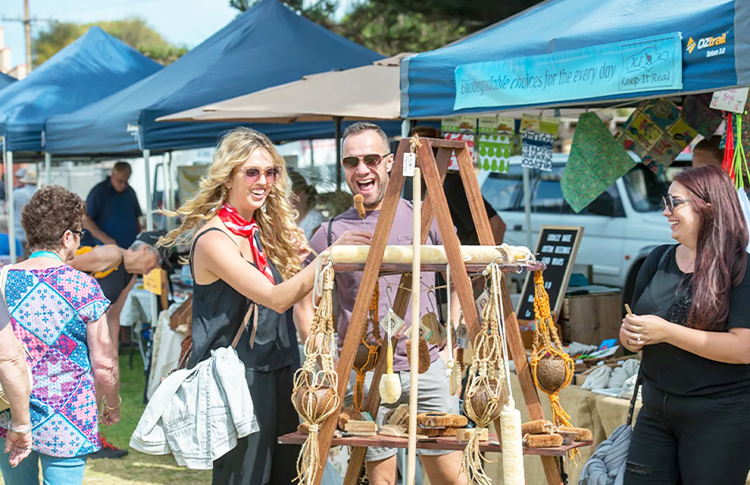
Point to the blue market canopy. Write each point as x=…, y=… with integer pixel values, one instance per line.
x=266, y=46
x=91, y=68
x=6, y=80
x=584, y=52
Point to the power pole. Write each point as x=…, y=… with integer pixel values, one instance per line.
x=27, y=20
x=27, y=28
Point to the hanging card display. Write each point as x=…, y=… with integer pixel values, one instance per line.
x=537, y=150
x=465, y=137
x=493, y=152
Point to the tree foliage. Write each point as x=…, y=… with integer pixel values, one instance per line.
x=133, y=31
x=394, y=26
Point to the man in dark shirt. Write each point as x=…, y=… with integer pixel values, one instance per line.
x=113, y=210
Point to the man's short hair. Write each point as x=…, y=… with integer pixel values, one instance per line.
x=122, y=167
x=364, y=126
x=711, y=145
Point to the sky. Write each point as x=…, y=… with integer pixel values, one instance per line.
x=181, y=22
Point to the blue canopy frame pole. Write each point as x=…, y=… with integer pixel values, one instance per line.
x=47, y=168
x=9, y=204
x=527, y=204
x=150, y=227
x=337, y=122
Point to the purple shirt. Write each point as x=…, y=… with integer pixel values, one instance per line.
x=347, y=282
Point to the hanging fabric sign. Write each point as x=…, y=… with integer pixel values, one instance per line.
x=648, y=64
x=537, y=150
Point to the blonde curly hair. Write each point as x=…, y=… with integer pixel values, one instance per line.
x=275, y=220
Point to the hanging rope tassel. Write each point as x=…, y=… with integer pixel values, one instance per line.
x=368, y=351
x=740, y=162
x=315, y=395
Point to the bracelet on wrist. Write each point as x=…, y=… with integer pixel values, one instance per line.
x=107, y=407
x=21, y=429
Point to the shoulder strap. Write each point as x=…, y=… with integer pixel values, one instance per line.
x=636, y=388
x=253, y=310
x=3, y=279
x=192, y=246
x=330, y=237
x=664, y=256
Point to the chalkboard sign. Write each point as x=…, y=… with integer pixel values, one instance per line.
x=557, y=248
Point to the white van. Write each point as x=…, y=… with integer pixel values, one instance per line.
x=621, y=226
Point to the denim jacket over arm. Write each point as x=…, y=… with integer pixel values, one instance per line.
x=198, y=414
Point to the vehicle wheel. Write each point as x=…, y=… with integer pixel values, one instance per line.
x=627, y=292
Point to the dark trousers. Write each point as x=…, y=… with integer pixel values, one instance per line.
x=258, y=459
x=701, y=440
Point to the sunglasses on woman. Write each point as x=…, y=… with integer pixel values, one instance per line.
x=371, y=161
x=80, y=233
x=252, y=175
x=669, y=202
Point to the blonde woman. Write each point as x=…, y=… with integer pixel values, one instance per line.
x=244, y=251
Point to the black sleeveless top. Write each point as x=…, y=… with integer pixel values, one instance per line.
x=218, y=312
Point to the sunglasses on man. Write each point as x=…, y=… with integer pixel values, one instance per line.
x=669, y=202
x=371, y=161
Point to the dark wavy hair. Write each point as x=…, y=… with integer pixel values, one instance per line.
x=721, y=259
x=51, y=211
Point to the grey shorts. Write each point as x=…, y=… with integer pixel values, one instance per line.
x=434, y=396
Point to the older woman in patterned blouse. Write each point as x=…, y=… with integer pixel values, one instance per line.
x=58, y=314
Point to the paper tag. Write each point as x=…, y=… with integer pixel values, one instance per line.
x=398, y=327
x=462, y=336
x=482, y=302
x=730, y=100
x=425, y=332
x=410, y=163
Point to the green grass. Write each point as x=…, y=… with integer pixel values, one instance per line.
x=136, y=468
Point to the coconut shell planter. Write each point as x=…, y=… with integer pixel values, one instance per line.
x=551, y=372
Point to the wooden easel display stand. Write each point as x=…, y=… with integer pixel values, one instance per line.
x=434, y=205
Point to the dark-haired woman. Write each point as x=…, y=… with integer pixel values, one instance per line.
x=692, y=321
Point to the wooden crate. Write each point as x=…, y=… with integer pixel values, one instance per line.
x=592, y=318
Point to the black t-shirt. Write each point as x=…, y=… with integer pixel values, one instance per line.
x=460, y=211
x=662, y=289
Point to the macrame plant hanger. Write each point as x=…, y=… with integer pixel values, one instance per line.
x=486, y=390
x=551, y=366
x=315, y=397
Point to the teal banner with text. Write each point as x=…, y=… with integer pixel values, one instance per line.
x=648, y=64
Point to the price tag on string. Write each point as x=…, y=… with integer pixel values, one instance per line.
x=398, y=327
x=425, y=332
x=482, y=302
x=410, y=163
x=462, y=336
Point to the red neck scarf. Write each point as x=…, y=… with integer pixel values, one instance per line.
x=240, y=226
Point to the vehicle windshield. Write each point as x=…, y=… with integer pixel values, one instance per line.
x=645, y=189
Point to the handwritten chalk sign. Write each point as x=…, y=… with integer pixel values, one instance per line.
x=732, y=100
x=557, y=247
